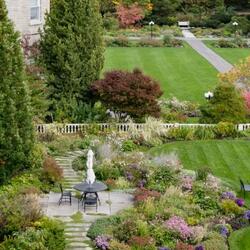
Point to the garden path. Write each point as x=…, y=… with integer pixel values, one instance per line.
x=217, y=61
x=76, y=229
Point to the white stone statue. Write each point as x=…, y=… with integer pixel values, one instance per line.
x=90, y=172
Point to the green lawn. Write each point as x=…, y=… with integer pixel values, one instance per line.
x=182, y=72
x=231, y=55
x=240, y=240
x=228, y=159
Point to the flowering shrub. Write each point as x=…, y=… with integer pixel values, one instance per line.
x=102, y=242
x=230, y=207
x=178, y=225
x=240, y=202
x=246, y=96
x=228, y=195
x=183, y=246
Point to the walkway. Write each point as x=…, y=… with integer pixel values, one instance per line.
x=76, y=230
x=217, y=61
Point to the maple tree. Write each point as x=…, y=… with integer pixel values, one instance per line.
x=129, y=92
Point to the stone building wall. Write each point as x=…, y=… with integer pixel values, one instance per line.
x=19, y=12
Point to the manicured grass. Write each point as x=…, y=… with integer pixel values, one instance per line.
x=228, y=159
x=182, y=72
x=231, y=55
x=240, y=240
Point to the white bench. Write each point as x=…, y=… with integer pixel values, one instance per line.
x=184, y=24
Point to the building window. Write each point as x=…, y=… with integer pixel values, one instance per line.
x=35, y=10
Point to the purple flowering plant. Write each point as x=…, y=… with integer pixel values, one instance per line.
x=200, y=247
x=240, y=202
x=102, y=242
x=163, y=248
x=228, y=196
x=178, y=225
x=247, y=215
x=224, y=231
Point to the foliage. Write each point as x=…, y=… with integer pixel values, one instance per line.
x=47, y=234
x=120, y=41
x=72, y=53
x=116, y=245
x=142, y=194
x=18, y=213
x=246, y=96
x=239, y=239
x=128, y=146
x=142, y=243
x=52, y=172
x=79, y=164
x=101, y=226
x=161, y=178
x=230, y=207
x=16, y=128
x=38, y=92
x=202, y=173
x=107, y=170
x=227, y=105
x=215, y=242
x=239, y=75
x=225, y=129
x=169, y=41
x=129, y=15
x=132, y=93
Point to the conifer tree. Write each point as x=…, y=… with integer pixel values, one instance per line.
x=16, y=129
x=72, y=52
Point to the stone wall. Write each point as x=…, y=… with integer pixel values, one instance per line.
x=19, y=13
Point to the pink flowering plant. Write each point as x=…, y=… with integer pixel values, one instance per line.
x=187, y=183
x=178, y=225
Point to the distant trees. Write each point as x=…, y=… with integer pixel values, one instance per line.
x=72, y=53
x=16, y=128
x=129, y=92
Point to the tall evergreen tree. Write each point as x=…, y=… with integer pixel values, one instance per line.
x=72, y=52
x=16, y=129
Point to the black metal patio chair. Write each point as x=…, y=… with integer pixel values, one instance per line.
x=244, y=187
x=90, y=200
x=66, y=196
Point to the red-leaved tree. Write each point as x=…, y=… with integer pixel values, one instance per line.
x=129, y=15
x=129, y=92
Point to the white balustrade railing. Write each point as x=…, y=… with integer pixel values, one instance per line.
x=123, y=127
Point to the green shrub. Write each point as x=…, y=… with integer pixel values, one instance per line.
x=110, y=22
x=18, y=213
x=206, y=199
x=103, y=226
x=106, y=171
x=128, y=146
x=225, y=129
x=204, y=133
x=202, y=173
x=53, y=231
x=215, y=242
x=161, y=179
x=48, y=234
x=79, y=164
x=170, y=41
x=230, y=207
x=180, y=133
x=227, y=105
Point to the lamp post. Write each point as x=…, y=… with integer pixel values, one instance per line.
x=151, y=23
x=235, y=24
x=208, y=95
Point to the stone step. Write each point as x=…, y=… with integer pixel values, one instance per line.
x=75, y=235
x=78, y=244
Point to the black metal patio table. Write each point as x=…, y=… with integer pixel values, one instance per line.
x=94, y=188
